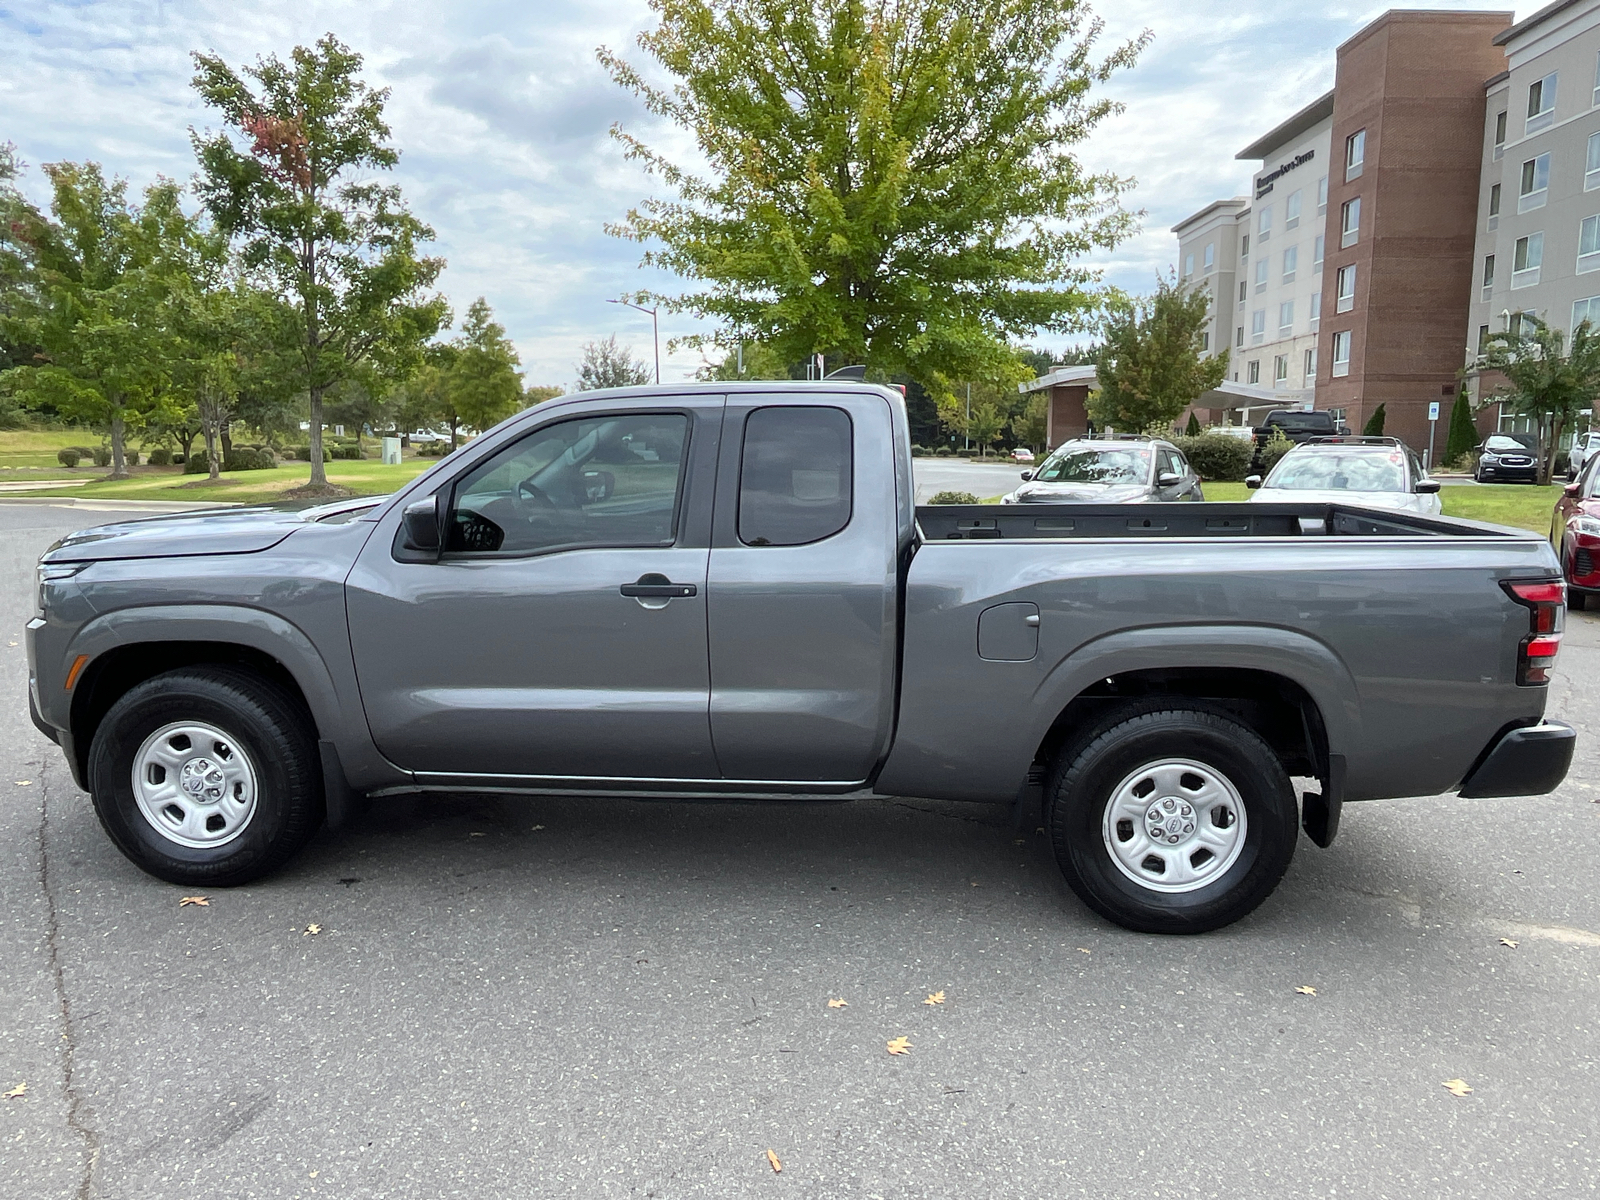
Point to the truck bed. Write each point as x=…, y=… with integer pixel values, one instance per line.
x=982, y=522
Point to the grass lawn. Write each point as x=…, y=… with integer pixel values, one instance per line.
x=250, y=487
x=25, y=453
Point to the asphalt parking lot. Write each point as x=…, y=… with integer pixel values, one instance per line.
x=548, y=998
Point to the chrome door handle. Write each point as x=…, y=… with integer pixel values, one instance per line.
x=658, y=587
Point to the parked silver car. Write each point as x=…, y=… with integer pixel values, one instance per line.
x=1109, y=471
x=1382, y=472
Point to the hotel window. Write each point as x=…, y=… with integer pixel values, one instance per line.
x=1210, y=256
x=1188, y=265
x=1591, y=168
x=1355, y=153
x=1541, y=104
x=1322, y=195
x=1316, y=310
x=1488, y=275
x=1483, y=340
x=1589, y=245
x=1587, y=309
x=1291, y=261
x=1264, y=224
x=1244, y=247
x=1350, y=222
x=1262, y=268
x=1535, y=188
x=1595, y=100
x=1526, y=260
x=1285, y=317
x=1316, y=253
x=1291, y=211
x=1345, y=289
x=1252, y=372
x=1244, y=289
x=1238, y=337
x=1258, y=325
x=1311, y=365
x=1499, y=136
x=1205, y=340
x=1494, y=207
x=1523, y=324
x=1280, y=370
x=1341, y=354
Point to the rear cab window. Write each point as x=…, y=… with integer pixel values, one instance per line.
x=796, y=475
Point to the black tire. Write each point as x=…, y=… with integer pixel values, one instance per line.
x=1087, y=776
x=1576, y=600
x=268, y=723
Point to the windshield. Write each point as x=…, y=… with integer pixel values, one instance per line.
x=1324, y=472
x=1301, y=420
x=1122, y=464
x=1499, y=441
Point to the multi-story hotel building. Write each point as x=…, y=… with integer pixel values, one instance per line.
x=1538, y=227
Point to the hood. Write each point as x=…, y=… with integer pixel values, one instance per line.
x=177, y=535
x=1405, y=500
x=1080, y=493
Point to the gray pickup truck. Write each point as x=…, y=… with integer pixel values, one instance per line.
x=725, y=590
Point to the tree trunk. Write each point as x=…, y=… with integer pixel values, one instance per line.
x=119, y=461
x=319, y=475
x=213, y=463
x=453, y=420
x=225, y=436
x=186, y=440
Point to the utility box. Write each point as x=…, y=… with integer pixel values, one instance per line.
x=391, y=452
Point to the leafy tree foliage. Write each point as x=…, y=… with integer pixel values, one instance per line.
x=1149, y=365
x=1546, y=380
x=1374, y=425
x=483, y=385
x=892, y=183
x=1463, y=434
x=606, y=365
x=288, y=176
x=537, y=393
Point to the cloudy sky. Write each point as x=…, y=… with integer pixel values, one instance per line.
x=501, y=113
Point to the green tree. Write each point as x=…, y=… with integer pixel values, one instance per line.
x=1546, y=380
x=607, y=365
x=1150, y=364
x=1031, y=426
x=1193, y=428
x=287, y=177
x=1463, y=434
x=484, y=384
x=1374, y=425
x=101, y=270
x=895, y=185
x=537, y=393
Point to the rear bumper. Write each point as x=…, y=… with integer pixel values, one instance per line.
x=1531, y=761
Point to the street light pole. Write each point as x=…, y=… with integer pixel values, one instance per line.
x=655, y=329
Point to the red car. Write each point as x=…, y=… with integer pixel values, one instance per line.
x=1575, y=533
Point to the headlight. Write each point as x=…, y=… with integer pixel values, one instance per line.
x=1490, y=459
x=1586, y=525
x=48, y=573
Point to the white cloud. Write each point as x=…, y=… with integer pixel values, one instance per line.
x=502, y=113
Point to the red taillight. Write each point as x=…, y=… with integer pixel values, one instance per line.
x=1546, y=601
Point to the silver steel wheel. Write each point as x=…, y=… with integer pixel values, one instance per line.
x=195, y=784
x=1174, y=825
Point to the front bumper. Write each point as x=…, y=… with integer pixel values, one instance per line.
x=1531, y=761
x=1515, y=474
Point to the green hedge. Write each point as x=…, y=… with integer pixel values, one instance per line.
x=954, y=498
x=68, y=457
x=303, y=454
x=160, y=457
x=242, y=459
x=1217, y=457
x=350, y=452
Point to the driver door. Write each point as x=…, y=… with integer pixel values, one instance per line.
x=561, y=633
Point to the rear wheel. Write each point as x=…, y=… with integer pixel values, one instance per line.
x=1175, y=821
x=206, y=776
x=1576, y=600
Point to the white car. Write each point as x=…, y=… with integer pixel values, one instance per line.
x=1583, y=449
x=1375, y=472
x=1022, y=454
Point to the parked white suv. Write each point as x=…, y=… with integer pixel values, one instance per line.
x=1583, y=449
x=1380, y=471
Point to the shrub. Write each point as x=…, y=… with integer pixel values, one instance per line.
x=102, y=456
x=1273, y=449
x=84, y=451
x=1193, y=428
x=243, y=458
x=177, y=457
x=160, y=457
x=67, y=457
x=433, y=450
x=131, y=457
x=954, y=498
x=1374, y=425
x=917, y=451
x=303, y=454
x=1217, y=457
x=943, y=452
x=351, y=451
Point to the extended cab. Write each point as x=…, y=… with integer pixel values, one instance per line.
x=725, y=590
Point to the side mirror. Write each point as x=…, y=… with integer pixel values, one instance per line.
x=1570, y=490
x=1252, y=482
x=1169, y=479
x=421, y=520
x=1427, y=487
x=1027, y=475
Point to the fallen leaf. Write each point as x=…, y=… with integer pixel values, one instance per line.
x=311, y=930
x=24, y=783
x=17, y=1092
x=536, y=828
x=900, y=1045
x=773, y=1159
x=838, y=1003
x=934, y=998
x=1509, y=942
x=1306, y=991
x=1084, y=950
x=477, y=835
x=197, y=901
x=1457, y=1087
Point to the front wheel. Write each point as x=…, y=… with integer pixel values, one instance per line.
x=1176, y=821
x=206, y=776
